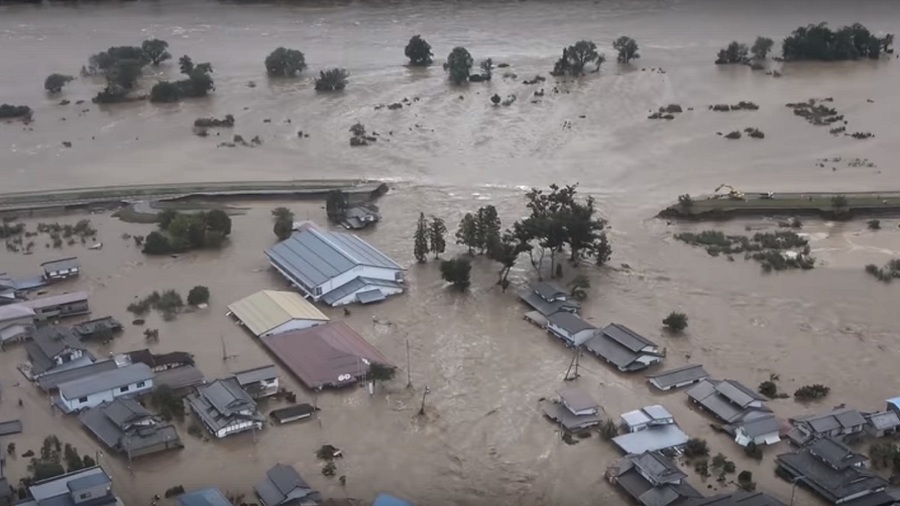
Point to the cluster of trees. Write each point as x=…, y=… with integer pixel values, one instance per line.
x=676, y=322
x=51, y=459
x=479, y=231
x=283, y=62
x=418, y=50
x=819, y=42
x=284, y=222
x=457, y=271
x=736, y=52
x=199, y=82
x=332, y=80
x=55, y=82
x=198, y=295
x=179, y=232
x=578, y=56
x=15, y=111
x=169, y=303
x=429, y=237
x=336, y=204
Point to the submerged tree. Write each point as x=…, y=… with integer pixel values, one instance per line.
x=155, y=49
x=576, y=57
x=467, y=233
x=761, y=47
x=198, y=295
x=420, y=238
x=284, y=222
x=332, y=80
x=283, y=62
x=418, y=50
x=676, y=322
x=457, y=271
x=55, y=82
x=627, y=48
x=436, y=232
x=504, y=250
x=380, y=372
x=335, y=205
x=459, y=64
x=578, y=287
x=735, y=52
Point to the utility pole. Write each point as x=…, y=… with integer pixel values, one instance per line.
x=408, y=372
x=573, y=363
x=424, y=394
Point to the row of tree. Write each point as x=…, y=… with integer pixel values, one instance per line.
x=284, y=62
x=813, y=42
x=578, y=56
x=558, y=222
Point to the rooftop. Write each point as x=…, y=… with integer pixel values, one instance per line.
x=709, y=394
x=153, y=360
x=283, y=484
x=125, y=425
x=56, y=300
x=833, y=484
x=569, y=322
x=257, y=374
x=741, y=498
x=372, y=294
x=884, y=420
x=53, y=380
x=204, y=497
x=577, y=399
x=264, y=311
x=530, y=297
x=627, y=337
x=314, y=256
x=765, y=423
x=656, y=438
x=61, y=264
x=57, y=486
x=678, y=375
x=549, y=290
x=332, y=354
x=15, y=311
x=841, y=418
x=179, y=377
x=105, y=380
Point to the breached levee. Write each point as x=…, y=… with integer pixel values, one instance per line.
x=128, y=194
x=832, y=206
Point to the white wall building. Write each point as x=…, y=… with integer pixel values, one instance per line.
x=105, y=386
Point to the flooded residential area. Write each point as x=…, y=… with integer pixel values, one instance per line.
x=792, y=290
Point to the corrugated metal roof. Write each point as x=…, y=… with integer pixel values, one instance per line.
x=15, y=311
x=265, y=310
x=53, y=380
x=627, y=337
x=56, y=300
x=61, y=264
x=355, y=285
x=179, y=377
x=59, y=485
x=205, y=497
x=313, y=256
x=666, y=379
x=257, y=374
x=319, y=355
x=106, y=380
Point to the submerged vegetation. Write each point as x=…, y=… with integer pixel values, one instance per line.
x=576, y=57
x=887, y=273
x=180, y=232
x=169, y=303
x=811, y=392
x=776, y=251
x=819, y=42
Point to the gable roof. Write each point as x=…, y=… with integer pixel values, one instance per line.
x=841, y=418
x=836, y=454
x=268, y=309
x=627, y=337
x=884, y=420
x=282, y=484
x=549, y=290
x=15, y=311
x=61, y=264
x=708, y=394
x=657, y=467
x=320, y=355
x=832, y=483
x=314, y=256
x=53, y=340
x=577, y=399
x=226, y=396
x=59, y=485
x=678, y=375
x=761, y=426
x=569, y=322
x=52, y=380
x=106, y=380
x=256, y=374
x=56, y=300
x=737, y=393
x=145, y=356
x=204, y=497
x=530, y=297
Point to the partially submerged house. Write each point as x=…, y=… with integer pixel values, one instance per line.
x=570, y=328
x=125, y=426
x=54, y=349
x=844, y=424
x=737, y=406
x=224, y=408
x=59, y=306
x=51, y=381
x=271, y=312
x=100, y=328
x=624, y=348
x=64, y=268
x=678, y=377
x=883, y=423
x=336, y=268
x=573, y=410
x=16, y=323
x=741, y=498
x=359, y=217
x=283, y=486
x=204, y=497
x=547, y=298
x=105, y=386
x=330, y=355
x=85, y=487
x=650, y=429
x=259, y=381
x=293, y=413
x=652, y=479
x=179, y=378
x=9, y=290
x=835, y=472
x=159, y=362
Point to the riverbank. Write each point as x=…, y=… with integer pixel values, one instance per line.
x=831, y=206
x=105, y=196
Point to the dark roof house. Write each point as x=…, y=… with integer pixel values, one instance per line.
x=85, y=487
x=840, y=423
x=330, y=355
x=678, y=377
x=55, y=348
x=652, y=479
x=575, y=409
x=570, y=328
x=744, y=412
x=359, y=217
x=61, y=269
x=284, y=486
x=547, y=298
x=650, y=429
x=259, y=381
x=883, y=423
x=835, y=472
x=124, y=425
x=100, y=328
x=51, y=381
x=224, y=408
x=160, y=361
x=624, y=348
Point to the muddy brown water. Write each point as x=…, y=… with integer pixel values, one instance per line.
x=484, y=440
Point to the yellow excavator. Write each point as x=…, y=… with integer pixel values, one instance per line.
x=732, y=194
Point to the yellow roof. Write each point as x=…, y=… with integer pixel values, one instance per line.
x=265, y=310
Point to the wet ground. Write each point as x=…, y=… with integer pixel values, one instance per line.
x=484, y=440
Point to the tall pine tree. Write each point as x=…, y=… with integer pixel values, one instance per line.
x=436, y=233
x=467, y=234
x=421, y=240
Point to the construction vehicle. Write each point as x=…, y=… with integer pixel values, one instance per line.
x=732, y=194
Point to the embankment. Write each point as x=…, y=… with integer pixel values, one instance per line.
x=831, y=206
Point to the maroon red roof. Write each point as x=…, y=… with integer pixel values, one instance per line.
x=325, y=355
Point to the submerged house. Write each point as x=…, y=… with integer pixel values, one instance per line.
x=260, y=381
x=547, y=298
x=650, y=429
x=570, y=328
x=574, y=410
x=106, y=386
x=883, y=423
x=54, y=349
x=336, y=268
x=63, y=268
x=100, y=328
x=59, y=306
x=125, y=426
x=359, y=217
x=16, y=323
x=159, y=362
x=678, y=377
x=741, y=409
x=270, y=312
x=283, y=486
x=9, y=290
x=652, y=479
x=843, y=424
x=85, y=487
x=624, y=348
x=835, y=472
x=204, y=497
x=224, y=408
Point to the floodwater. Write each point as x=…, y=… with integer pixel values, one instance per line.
x=483, y=441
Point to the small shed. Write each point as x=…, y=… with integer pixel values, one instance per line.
x=64, y=268
x=882, y=424
x=293, y=413
x=260, y=381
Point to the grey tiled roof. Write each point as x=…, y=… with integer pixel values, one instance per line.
x=626, y=337
x=106, y=380
x=52, y=340
x=691, y=372
x=569, y=322
x=219, y=403
x=831, y=483
x=114, y=424
x=61, y=264
x=283, y=484
x=547, y=308
x=842, y=418
x=257, y=374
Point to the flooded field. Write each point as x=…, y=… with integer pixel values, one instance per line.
x=484, y=440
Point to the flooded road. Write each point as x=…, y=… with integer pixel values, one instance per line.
x=484, y=441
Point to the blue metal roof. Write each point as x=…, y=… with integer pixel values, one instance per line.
x=389, y=500
x=313, y=256
x=204, y=497
x=894, y=401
